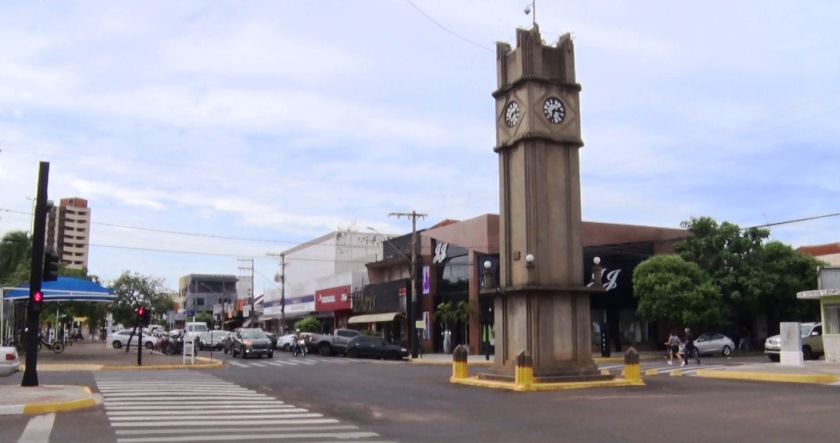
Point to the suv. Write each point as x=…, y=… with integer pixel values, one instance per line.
x=812, y=342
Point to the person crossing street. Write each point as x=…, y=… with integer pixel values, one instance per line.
x=690, y=349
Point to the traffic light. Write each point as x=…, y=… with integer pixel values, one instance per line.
x=50, y=267
x=37, y=301
x=144, y=316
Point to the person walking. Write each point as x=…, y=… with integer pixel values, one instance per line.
x=690, y=349
x=673, y=345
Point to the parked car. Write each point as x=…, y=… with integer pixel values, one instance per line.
x=211, y=339
x=376, y=347
x=120, y=338
x=284, y=342
x=10, y=362
x=335, y=343
x=812, y=343
x=249, y=342
x=714, y=343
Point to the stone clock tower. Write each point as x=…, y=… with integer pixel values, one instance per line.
x=542, y=305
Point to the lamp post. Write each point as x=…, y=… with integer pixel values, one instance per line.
x=488, y=283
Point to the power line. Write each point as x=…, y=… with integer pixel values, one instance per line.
x=446, y=29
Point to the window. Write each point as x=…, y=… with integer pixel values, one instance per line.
x=199, y=301
x=832, y=319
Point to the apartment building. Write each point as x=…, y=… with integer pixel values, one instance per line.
x=68, y=231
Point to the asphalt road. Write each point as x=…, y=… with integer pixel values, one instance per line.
x=416, y=403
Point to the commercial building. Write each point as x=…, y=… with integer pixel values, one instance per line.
x=201, y=292
x=68, y=231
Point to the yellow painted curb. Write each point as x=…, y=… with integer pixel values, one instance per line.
x=475, y=381
x=69, y=405
x=677, y=373
x=764, y=376
x=420, y=361
x=651, y=372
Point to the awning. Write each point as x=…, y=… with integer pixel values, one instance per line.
x=374, y=318
x=64, y=289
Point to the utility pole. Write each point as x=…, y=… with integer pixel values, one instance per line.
x=247, y=265
x=414, y=307
x=33, y=308
x=280, y=277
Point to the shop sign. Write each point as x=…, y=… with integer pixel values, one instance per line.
x=333, y=299
x=609, y=279
x=440, y=253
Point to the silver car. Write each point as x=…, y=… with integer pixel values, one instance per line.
x=714, y=343
x=120, y=338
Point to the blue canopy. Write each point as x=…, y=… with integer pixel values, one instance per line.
x=64, y=289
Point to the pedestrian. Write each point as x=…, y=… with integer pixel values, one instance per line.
x=673, y=345
x=744, y=344
x=690, y=349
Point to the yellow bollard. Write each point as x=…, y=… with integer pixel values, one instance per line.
x=632, y=371
x=523, y=375
x=460, y=369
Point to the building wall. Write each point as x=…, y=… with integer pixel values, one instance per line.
x=68, y=232
x=831, y=328
x=202, y=291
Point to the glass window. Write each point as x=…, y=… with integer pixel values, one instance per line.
x=456, y=275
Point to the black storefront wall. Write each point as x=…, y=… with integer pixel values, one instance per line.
x=383, y=298
x=618, y=262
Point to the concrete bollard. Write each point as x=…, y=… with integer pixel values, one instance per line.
x=460, y=369
x=632, y=372
x=523, y=376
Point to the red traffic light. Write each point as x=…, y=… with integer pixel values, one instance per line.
x=38, y=297
x=140, y=311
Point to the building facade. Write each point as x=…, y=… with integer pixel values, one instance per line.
x=317, y=276
x=68, y=231
x=201, y=292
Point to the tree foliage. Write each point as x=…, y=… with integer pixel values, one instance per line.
x=15, y=258
x=722, y=270
x=133, y=290
x=674, y=290
x=308, y=324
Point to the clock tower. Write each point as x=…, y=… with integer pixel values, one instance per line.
x=542, y=305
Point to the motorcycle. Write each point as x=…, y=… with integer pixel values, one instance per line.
x=301, y=347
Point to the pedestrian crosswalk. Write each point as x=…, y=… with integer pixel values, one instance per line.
x=660, y=368
x=300, y=362
x=186, y=406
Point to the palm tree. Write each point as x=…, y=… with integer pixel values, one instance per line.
x=446, y=314
x=462, y=314
x=15, y=248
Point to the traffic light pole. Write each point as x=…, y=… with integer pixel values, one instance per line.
x=33, y=311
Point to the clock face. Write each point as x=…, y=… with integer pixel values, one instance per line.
x=554, y=109
x=512, y=114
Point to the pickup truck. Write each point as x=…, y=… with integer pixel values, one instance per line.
x=335, y=343
x=812, y=342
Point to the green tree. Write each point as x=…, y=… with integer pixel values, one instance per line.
x=786, y=272
x=446, y=314
x=308, y=324
x=731, y=256
x=673, y=290
x=15, y=249
x=132, y=290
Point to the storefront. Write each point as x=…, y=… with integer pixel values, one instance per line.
x=381, y=308
x=334, y=306
x=453, y=258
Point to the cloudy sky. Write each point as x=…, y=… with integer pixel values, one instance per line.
x=204, y=132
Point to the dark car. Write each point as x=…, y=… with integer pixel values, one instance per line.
x=375, y=347
x=250, y=342
x=273, y=337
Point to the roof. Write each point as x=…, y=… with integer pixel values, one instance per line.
x=820, y=250
x=64, y=289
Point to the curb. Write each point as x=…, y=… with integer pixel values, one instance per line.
x=207, y=364
x=52, y=406
x=763, y=376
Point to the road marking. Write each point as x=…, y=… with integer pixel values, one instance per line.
x=231, y=412
x=259, y=365
x=235, y=363
x=38, y=429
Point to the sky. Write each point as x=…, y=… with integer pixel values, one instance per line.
x=202, y=133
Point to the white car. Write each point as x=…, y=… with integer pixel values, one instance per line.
x=120, y=338
x=10, y=362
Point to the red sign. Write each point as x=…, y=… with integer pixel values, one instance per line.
x=333, y=299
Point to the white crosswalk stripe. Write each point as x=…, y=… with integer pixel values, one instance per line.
x=300, y=362
x=659, y=368
x=164, y=406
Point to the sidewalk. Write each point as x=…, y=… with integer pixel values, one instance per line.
x=83, y=356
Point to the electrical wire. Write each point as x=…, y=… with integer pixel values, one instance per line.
x=445, y=28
